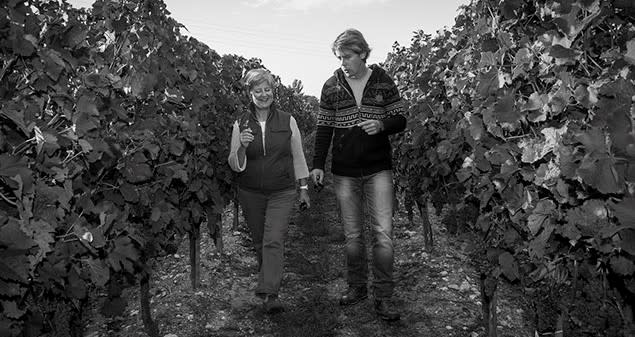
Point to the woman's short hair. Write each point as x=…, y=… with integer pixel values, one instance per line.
x=353, y=40
x=257, y=76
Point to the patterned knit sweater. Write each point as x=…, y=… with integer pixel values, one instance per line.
x=355, y=153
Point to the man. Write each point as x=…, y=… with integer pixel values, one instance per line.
x=360, y=107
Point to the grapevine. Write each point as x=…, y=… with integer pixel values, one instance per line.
x=523, y=113
x=113, y=145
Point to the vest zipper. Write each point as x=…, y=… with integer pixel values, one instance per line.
x=264, y=154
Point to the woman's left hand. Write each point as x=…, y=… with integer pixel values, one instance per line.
x=304, y=199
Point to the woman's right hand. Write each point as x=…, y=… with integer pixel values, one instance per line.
x=246, y=137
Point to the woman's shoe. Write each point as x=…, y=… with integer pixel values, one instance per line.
x=272, y=304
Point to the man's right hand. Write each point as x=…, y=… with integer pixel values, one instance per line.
x=317, y=175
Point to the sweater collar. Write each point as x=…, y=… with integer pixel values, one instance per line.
x=341, y=78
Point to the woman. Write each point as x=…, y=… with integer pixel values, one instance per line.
x=266, y=150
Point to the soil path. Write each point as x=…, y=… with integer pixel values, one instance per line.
x=437, y=292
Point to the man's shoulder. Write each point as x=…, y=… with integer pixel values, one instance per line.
x=380, y=72
x=377, y=68
x=331, y=81
x=330, y=86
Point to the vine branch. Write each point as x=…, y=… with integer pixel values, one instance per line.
x=6, y=199
x=7, y=66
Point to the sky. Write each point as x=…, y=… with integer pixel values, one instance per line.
x=293, y=37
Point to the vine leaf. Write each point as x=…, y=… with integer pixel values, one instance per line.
x=535, y=149
x=536, y=101
x=506, y=111
x=522, y=62
x=590, y=218
x=547, y=174
x=488, y=82
x=114, y=307
x=14, y=114
x=177, y=147
x=13, y=237
x=541, y=216
x=510, y=8
x=99, y=271
x=601, y=174
x=10, y=289
x=594, y=141
x=614, y=106
x=42, y=234
x=129, y=193
x=586, y=95
x=76, y=285
x=11, y=309
x=570, y=231
x=477, y=129
x=53, y=62
x=538, y=245
x=509, y=266
x=123, y=255
x=564, y=55
x=625, y=211
x=85, y=123
x=628, y=240
x=137, y=172
x=622, y=265
x=629, y=56
x=24, y=44
x=11, y=166
x=488, y=59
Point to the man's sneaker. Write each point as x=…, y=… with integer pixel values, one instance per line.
x=386, y=311
x=272, y=304
x=353, y=295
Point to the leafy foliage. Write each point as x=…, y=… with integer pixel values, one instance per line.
x=525, y=110
x=113, y=142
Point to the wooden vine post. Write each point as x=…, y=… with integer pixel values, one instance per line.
x=216, y=231
x=149, y=324
x=236, y=209
x=195, y=255
x=489, y=283
x=422, y=204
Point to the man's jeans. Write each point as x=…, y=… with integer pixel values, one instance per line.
x=376, y=191
x=267, y=215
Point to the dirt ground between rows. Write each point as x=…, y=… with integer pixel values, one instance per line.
x=437, y=292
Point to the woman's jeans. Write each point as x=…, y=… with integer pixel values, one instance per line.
x=376, y=190
x=267, y=216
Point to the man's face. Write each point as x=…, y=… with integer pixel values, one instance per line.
x=352, y=64
x=262, y=95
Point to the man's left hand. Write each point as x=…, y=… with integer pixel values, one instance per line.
x=372, y=127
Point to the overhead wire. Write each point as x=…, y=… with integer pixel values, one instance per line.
x=215, y=42
x=254, y=32
x=231, y=36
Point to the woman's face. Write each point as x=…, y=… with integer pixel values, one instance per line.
x=262, y=95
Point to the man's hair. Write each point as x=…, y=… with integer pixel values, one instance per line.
x=256, y=76
x=353, y=40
